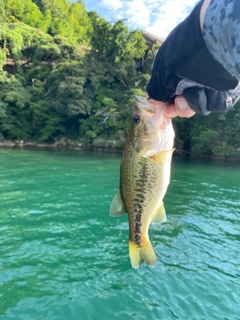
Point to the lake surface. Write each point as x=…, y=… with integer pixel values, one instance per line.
x=63, y=257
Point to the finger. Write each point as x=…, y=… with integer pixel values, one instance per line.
x=182, y=107
x=152, y=101
x=170, y=111
x=155, y=102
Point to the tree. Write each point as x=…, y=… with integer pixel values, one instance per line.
x=66, y=90
x=58, y=8
x=14, y=98
x=54, y=85
x=115, y=43
x=79, y=20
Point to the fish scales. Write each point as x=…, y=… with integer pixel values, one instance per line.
x=144, y=177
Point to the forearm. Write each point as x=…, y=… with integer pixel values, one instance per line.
x=221, y=29
x=185, y=61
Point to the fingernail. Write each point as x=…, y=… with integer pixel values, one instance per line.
x=182, y=104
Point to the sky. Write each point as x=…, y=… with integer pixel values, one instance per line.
x=158, y=17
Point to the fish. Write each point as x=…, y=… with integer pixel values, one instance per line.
x=144, y=177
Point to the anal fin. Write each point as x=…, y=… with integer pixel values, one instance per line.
x=160, y=215
x=117, y=207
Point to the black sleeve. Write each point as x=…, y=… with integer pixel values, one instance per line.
x=185, y=55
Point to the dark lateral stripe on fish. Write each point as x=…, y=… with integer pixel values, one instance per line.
x=138, y=206
x=139, y=197
x=137, y=239
x=139, y=188
x=137, y=228
x=140, y=201
x=137, y=235
x=137, y=218
x=143, y=173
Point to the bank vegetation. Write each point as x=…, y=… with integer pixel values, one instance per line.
x=68, y=77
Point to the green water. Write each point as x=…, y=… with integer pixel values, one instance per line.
x=63, y=257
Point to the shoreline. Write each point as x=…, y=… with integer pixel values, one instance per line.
x=69, y=145
x=108, y=147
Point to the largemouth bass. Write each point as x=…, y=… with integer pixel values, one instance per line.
x=144, y=177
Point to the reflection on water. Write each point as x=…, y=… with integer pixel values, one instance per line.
x=63, y=257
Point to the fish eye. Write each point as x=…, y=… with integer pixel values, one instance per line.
x=136, y=118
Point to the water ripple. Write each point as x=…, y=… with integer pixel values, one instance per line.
x=63, y=257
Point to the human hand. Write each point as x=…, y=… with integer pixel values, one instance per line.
x=177, y=107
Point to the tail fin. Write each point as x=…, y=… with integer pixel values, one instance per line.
x=143, y=254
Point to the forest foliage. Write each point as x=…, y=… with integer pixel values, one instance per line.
x=68, y=73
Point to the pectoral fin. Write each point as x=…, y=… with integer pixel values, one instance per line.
x=160, y=215
x=163, y=156
x=117, y=207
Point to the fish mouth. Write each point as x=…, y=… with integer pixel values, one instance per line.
x=149, y=109
x=142, y=100
x=145, y=106
x=146, y=110
x=156, y=132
